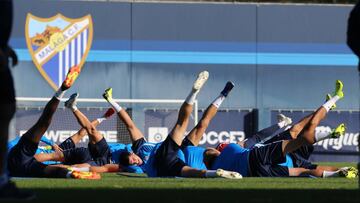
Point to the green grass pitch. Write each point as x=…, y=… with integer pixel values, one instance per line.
x=134, y=188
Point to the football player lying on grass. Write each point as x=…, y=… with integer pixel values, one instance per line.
x=142, y=149
x=167, y=159
x=266, y=160
x=298, y=158
x=98, y=152
x=21, y=161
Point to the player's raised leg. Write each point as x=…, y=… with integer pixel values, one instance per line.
x=36, y=132
x=197, y=132
x=78, y=136
x=94, y=135
x=186, y=108
x=21, y=161
x=308, y=133
x=135, y=133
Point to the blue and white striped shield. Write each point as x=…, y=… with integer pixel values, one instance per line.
x=58, y=43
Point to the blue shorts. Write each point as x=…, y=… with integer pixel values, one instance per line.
x=21, y=161
x=167, y=162
x=264, y=160
x=100, y=153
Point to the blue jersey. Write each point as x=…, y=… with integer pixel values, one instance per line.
x=233, y=158
x=143, y=149
x=116, y=149
x=194, y=157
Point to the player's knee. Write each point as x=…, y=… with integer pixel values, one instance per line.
x=295, y=131
x=314, y=122
x=91, y=129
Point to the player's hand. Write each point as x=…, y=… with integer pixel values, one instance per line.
x=57, y=148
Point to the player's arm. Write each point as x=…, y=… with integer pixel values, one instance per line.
x=55, y=156
x=107, y=168
x=54, y=146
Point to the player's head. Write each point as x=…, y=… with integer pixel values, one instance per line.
x=210, y=155
x=130, y=158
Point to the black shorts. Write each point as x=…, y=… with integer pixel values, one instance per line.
x=167, y=162
x=137, y=144
x=21, y=161
x=67, y=144
x=264, y=160
x=185, y=143
x=77, y=155
x=300, y=157
x=279, y=137
x=100, y=153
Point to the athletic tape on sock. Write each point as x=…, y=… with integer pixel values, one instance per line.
x=190, y=99
x=59, y=94
x=115, y=105
x=218, y=101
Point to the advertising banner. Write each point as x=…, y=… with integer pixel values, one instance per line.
x=226, y=126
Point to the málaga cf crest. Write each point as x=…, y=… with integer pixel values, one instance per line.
x=58, y=43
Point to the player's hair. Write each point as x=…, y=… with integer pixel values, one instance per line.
x=124, y=159
x=210, y=155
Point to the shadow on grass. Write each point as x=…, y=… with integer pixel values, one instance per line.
x=194, y=195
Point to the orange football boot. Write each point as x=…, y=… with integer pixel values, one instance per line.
x=85, y=175
x=70, y=77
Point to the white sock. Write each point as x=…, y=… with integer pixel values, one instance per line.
x=3, y=179
x=101, y=119
x=282, y=124
x=210, y=174
x=82, y=169
x=329, y=174
x=190, y=99
x=330, y=103
x=217, y=102
x=322, y=136
x=74, y=108
x=59, y=93
x=115, y=105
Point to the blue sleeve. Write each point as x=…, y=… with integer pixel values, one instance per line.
x=46, y=141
